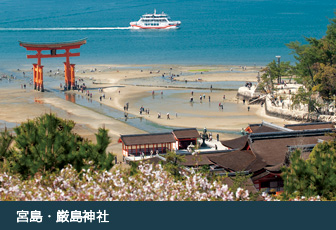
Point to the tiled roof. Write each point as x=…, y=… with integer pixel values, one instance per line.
x=237, y=143
x=290, y=134
x=264, y=129
x=142, y=139
x=194, y=160
x=186, y=133
x=308, y=126
x=236, y=160
x=273, y=151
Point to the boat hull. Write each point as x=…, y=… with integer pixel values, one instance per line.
x=137, y=27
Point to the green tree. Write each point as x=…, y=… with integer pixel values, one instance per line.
x=305, y=97
x=316, y=62
x=172, y=164
x=272, y=72
x=6, y=140
x=47, y=143
x=314, y=176
x=325, y=81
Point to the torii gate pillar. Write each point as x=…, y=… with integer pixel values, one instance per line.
x=69, y=74
x=35, y=73
x=72, y=74
x=38, y=77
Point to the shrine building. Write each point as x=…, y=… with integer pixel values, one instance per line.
x=158, y=143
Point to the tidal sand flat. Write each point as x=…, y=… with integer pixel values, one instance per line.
x=120, y=84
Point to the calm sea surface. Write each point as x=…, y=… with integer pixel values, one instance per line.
x=241, y=32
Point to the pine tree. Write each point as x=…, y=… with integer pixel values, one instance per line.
x=6, y=140
x=172, y=164
x=47, y=143
x=316, y=66
x=103, y=140
x=314, y=176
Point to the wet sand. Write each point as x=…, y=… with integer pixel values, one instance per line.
x=233, y=117
x=18, y=105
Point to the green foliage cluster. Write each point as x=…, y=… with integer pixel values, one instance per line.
x=172, y=164
x=305, y=97
x=315, y=69
x=316, y=66
x=315, y=176
x=272, y=72
x=47, y=143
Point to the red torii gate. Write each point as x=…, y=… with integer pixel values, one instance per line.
x=69, y=69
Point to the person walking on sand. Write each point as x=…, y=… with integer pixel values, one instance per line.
x=192, y=93
x=248, y=108
x=168, y=116
x=209, y=98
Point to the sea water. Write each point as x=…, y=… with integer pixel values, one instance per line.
x=215, y=32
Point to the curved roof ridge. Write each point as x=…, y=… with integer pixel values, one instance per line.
x=53, y=44
x=275, y=126
x=307, y=124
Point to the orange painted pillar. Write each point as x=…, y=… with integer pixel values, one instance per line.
x=67, y=75
x=72, y=67
x=38, y=77
x=35, y=75
x=41, y=78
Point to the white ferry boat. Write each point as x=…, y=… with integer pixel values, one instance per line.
x=155, y=21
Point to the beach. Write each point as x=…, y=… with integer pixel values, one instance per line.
x=139, y=86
